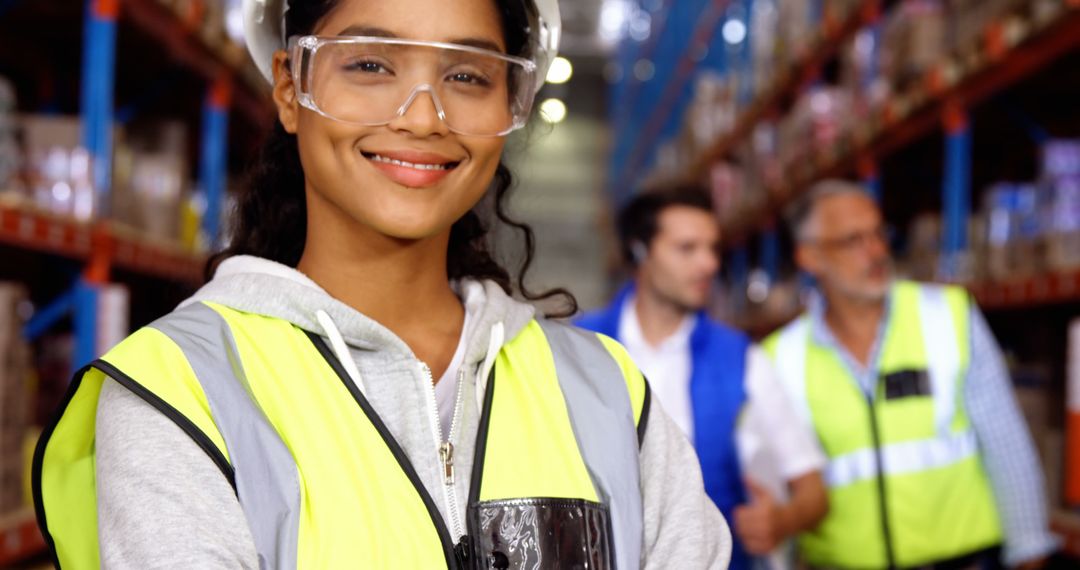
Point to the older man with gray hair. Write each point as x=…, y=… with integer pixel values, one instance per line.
x=930, y=464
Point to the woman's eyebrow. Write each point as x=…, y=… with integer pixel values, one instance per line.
x=376, y=32
x=368, y=31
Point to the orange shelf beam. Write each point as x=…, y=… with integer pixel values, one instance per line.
x=1028, y=292
x=27, y=228
x=20, y=538
x=1044, y=289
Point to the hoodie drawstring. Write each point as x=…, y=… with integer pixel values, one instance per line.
x=495, y=342
x=341, y=351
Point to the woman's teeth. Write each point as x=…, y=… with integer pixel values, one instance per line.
x=396, y=162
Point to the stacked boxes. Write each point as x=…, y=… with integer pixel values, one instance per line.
x=15, y=396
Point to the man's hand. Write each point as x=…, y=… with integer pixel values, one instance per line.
x=761, y=525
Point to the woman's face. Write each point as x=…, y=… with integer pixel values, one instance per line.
x=346, y=166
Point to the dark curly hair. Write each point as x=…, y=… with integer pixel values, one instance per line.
x=270, y=218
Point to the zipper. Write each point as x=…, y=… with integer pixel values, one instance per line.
x=445, y=448
x=883, y=501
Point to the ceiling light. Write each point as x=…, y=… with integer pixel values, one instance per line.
x=553, y=111
x=734, y=32
x=561, y=71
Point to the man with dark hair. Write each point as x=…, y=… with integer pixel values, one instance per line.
x=930, y=462
x=717, y=386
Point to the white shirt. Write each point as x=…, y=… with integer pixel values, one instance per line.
x=666, y=366
x=774, y=445
x=446, y=388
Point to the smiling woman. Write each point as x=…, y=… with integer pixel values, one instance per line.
x=275, y=198
x=357, y=386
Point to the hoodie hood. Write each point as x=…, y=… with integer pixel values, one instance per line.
x=256, y=285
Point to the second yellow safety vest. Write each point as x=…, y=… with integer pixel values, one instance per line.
x=905, y=479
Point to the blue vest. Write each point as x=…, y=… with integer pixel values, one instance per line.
x=717, y=394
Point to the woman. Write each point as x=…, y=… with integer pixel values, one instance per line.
x=356, y=387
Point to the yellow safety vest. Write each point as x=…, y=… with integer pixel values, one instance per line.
x=323, y=483
x=906, y=483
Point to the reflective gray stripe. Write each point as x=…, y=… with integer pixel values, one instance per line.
x=942, y=354
x=901, y=458
x=603, y=421
x=267, y=483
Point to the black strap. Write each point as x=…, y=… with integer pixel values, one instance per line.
x=643, y=423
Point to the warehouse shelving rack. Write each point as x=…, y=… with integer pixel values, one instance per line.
x=1009, y=52
x=105, y=249
x=1012, y=51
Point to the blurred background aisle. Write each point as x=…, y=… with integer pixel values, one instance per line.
x=126, y=124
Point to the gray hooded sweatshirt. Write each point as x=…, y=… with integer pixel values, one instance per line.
x=162, y=502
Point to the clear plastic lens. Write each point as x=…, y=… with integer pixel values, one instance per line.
x=371, y=81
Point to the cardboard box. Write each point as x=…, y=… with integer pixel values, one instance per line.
x=16, y=403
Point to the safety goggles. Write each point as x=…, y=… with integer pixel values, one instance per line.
x=370, y=81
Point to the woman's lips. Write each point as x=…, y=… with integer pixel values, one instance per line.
x=412, y=169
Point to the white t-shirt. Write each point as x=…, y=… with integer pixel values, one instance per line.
x=775, y=446
x=447, y=387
